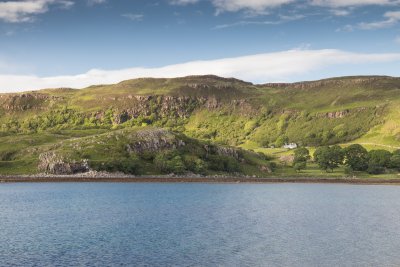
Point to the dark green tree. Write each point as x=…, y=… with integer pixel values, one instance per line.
x=329, y=158
x=356, y=157
x=379, y=157
x=298, y=166
x=378, y=161
x=301, y=156
x=395, y=162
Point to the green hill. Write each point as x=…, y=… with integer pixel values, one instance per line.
x=221, y=111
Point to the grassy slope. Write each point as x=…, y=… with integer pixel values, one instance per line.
x=19, y=154
x=292, y=109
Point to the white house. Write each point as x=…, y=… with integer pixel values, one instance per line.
x=290, y=146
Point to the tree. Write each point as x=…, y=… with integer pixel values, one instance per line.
x=301, y=155
x=176, y=165
x=379, y=160
x=379, y=157
x=356, y=157
x=298, y=166
x=395, y=162
x=329, y=158
x=169, y=162
x=281, y=140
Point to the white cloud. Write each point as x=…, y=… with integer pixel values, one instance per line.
x=397, y=40
x=391, y=18
x=257, y=6
x=24, y=11
x=96, y=2
x=349, y=3
x=279, y=66
x=133, y=17
x=251, y=6
x=340, y=12
x=260, y=6
x=183, y=2
x=282, y=19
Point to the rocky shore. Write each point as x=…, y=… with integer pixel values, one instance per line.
x=93, y=176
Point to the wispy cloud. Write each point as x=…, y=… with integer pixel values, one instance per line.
x=262, y=6
x=96, y=2
x=133, y=17
x=279, y=66
x=244, y=23
x=397, y=40
x=182, y=2
x=254, y=6
x=282, y=19
x=25, y=11
x=353, y=3
x=340, y=12
x=390, y=19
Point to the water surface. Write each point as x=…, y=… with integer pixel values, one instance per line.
x=118, y=224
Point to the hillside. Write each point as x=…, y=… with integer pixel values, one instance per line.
x=205, y=108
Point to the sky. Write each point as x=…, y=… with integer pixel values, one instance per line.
x=77, y=43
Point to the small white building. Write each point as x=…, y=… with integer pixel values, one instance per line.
x=290, y=146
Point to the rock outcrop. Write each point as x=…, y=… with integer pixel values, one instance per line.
x=153, y=140
x=51, y=163
x=162, y=106
x=25, y=101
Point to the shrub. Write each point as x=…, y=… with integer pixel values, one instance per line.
x=348, y=170
x=379, y=158
x=281, y=140
x=395, y=162
x=169, y=162
x=128, y=166
x=223, y=163
x=195, y=164
x=375, y=169
x=298, y=166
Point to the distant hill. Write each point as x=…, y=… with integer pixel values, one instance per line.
x=219, y=110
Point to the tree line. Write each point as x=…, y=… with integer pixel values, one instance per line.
x=355, y=158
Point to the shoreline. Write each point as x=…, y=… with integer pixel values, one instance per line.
x=188, y=179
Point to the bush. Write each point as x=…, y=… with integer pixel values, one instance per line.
x=7, y=155
x=169, y=162
x=176, y=165
x=281, y=140
x=395, y=162
x=128, y=166
x=380, y=158
x=195, y=164
x=223, y=163
x=300, y=166
x=348, y=170
x=375, y=169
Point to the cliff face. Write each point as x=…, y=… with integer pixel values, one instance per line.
x=133, y=106
x=27, y=101
x=366, y=81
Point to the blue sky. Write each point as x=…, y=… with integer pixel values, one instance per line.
x=52, y=43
